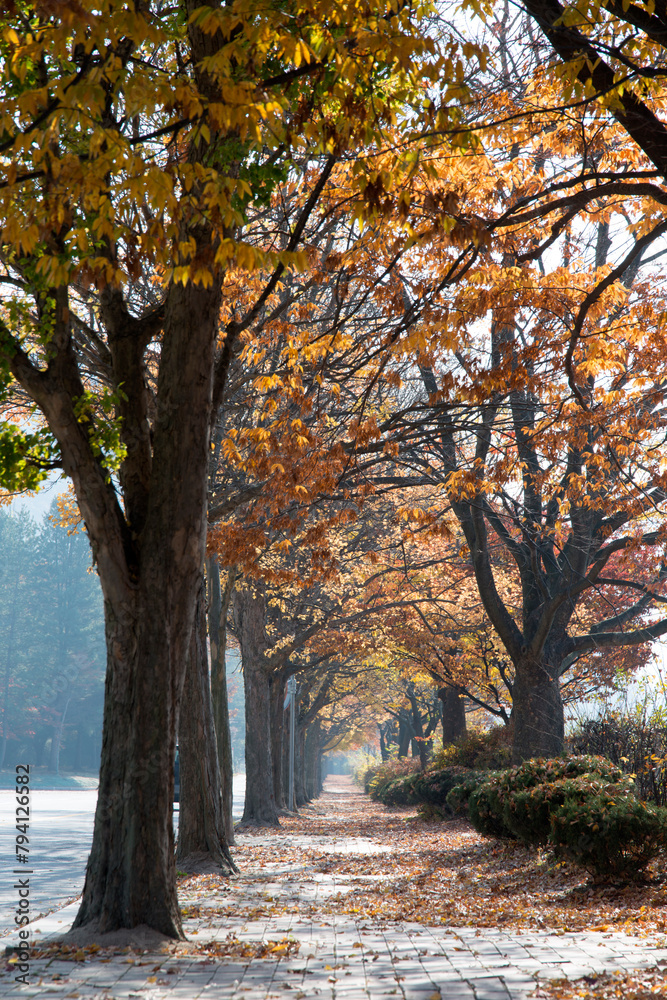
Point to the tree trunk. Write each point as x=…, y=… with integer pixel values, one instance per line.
x=405, y=733
x=202, y=842
x=250, y=612
x=300, y=789
x=313, y=754
x=418, y=741
x=218, y=605
x=130, y=878
x=278, y=741
x=537, y=712
x=308, y=761
x=149, y=596
x=285, y=762
x=384, y=748
x=453, y=715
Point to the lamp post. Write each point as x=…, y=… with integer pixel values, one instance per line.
x=291, y=701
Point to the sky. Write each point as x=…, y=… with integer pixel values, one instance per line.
x=38, y=504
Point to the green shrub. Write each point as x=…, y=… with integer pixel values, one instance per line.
x=480, y=750
x=432, y=787
x=379, y=776
x=430, y=813
x=528, y=811
x=503, y=805
x=537, y=772
x=485, y=808
x=399, y=792
x=608, y=834
x=584, y=807
x=429, y=787
x=458, y=797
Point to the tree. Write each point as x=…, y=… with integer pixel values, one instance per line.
x=540, y=410
x=134, y=138
x=202, y=824
x=16, y=566
x=611, y=55
x=67, y=619
x=52, y=630
x=218, y=605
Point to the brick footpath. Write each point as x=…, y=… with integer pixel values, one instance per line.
x=339, y=956
x=338, y=959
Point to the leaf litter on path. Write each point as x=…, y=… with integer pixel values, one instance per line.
x=344, y=854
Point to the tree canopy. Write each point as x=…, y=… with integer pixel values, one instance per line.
x=264, y=267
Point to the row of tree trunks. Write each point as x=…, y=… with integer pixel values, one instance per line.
x=201, y=829
x=267, y=721
x=250, y=620
x=218, y=606
x=279, y=745
x=312, y=761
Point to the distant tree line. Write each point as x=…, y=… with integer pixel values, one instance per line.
x=52, y=648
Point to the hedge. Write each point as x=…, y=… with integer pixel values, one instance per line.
x=584, y=807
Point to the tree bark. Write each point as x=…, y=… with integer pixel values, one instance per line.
x=250, y=613
x=384, y=732
x=202, y=842
x=453, y=715
x=537, y=712
x=312, y=761
x=405, y=733
x=300, y=788
x=130, y=878
x=285, y=762
x=417, y=728
x=149, y=582
x=278, y=742
x=218, y=606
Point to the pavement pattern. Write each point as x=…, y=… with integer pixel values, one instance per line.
x=337, y=957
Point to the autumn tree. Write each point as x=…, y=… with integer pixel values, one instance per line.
x=337, y=711
x=432, y=619
x=133, y=140
x=537, y=379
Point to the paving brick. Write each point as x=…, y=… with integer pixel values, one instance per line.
x=410, y=962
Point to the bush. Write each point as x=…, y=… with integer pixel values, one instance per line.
x=432, y=787
x=377, y=777
x=608, y=834
x=497, y=808
x=399, y=792
x=584, y=807
x=425, y=788
x=458, y=798
x=430, y=813
x=480, y=750
x=536, y=772
x=531, y=791
x=485, y=808
x=528, y=812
